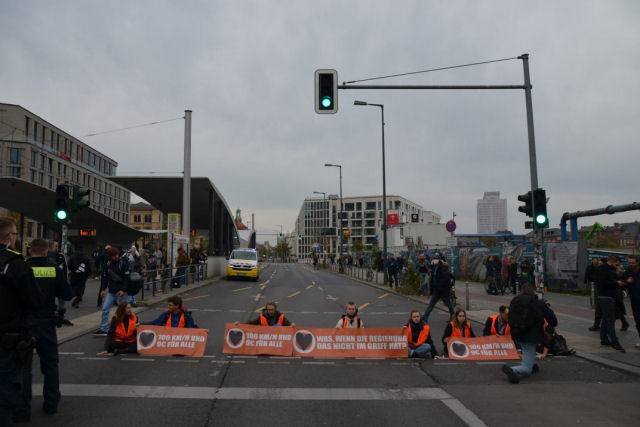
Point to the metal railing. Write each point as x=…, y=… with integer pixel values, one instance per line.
x=159, y=279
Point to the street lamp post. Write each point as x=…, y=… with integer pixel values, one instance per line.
x=384, y=192
x=324, y=201
x=340, y=235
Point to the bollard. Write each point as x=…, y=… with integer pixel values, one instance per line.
x=466, y=294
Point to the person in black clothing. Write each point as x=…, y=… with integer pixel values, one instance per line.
x=53, y=284
x=79, y=272
x=113, y=287
x=590, y=279
x=441, y=283
x=631, y=279
x=512, y=274
x=21, y=296
x=121, y=337
x=534, y=311
x=270, y=316
x=608, y=285
x=55, y=255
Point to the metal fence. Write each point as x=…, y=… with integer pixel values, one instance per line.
x=160, y=279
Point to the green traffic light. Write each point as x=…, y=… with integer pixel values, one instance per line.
x=326, y=102
x=61, y=215
x=541, y=219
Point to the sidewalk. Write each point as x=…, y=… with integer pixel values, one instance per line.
x=573, y=313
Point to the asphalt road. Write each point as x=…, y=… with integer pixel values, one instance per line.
x=219, y=390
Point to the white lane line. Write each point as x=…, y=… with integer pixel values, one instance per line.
x=362, y=363
x=236, y=311
x=369, y=358
x=318, y=363
x=211, y=357
x=463, y=413
x=404, y=363
x=448, y=363
x=220, y=362
x=92, y=358
x=238, y=361
x=129, y=359
x=274, y=362
x=270, y=393
x=241, y=356
x=183, y=360
x=312, y=312
x=66, y=353
x=214, y=373
x=376, y=313
x=285, y=357
x=491, y=363
x=330, y=312
x=210, y=309
x=399, y=312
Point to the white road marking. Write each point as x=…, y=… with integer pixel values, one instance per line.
x=210, y=309
x=284, y=357
x=274, y=362
x=213, y=356
x=319, y=287
x=245, y=356
x=92, y=358
x=491, y=363
x=448, y=363
x=330, y=312
x=238, y=361
x=183, y=360
x=71, y=353
x=362, y=363
x=130, y=359
x=214, y=373
x=236, y=311
x=463, y=413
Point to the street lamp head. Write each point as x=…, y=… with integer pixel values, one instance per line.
x=359, y=103
x=335, y=166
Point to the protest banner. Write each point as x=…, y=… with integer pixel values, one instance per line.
x=492, y=347
x=253, y=339
x=356, y=342
x=161, y=341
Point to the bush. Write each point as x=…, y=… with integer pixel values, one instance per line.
x=410, y=282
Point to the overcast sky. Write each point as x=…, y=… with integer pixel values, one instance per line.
x=246, y=68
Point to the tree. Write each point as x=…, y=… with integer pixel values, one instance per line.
x=357, y=246
x=282, y=249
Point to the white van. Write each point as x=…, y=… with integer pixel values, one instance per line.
x=243, y=263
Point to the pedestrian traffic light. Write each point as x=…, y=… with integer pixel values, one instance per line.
x=326, y=91
x=79, y=194
x=527, y=199
x=541, y=219
x=61, y=211
x=299, y=236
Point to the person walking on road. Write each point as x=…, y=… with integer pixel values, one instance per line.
x=441, y=283
x=53, y=284
x=113, y=288
x=79, y=272
x=527, y=315
x=419, y=339
x=19, y=291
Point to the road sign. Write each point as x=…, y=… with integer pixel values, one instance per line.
x=451, y=226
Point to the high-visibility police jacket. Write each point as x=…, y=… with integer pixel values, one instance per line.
x=422, y=337
x=494, y=330
x=52, y=283
x=265, y=322
x=128, y=334
x=456, y=332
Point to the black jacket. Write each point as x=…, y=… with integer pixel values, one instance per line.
x=51, y=287
x=535, y=334
x=18, y=290
x=606, y=281
x=115, y=276
x=441, y=278
x=634, y=287
x=79, y=267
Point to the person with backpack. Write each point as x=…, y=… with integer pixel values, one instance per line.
x=350, y=319
x=527, y=314
x=608, y=285
x=113, y=288
x=79, y=272
x=135, y=275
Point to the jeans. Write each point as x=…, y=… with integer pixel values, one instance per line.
x=608, y=326
x=423, y=282
x=420, y=351
x=432, y=303
x=528, y=358
x=107, y=303
x=181, y=275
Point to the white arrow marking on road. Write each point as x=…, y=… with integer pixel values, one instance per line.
x=331, y=298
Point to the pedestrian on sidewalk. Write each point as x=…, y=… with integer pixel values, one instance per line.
x=79, y=272
x=631, y=279
x=527, y=314
x=392, y=270
x=441, y=279
x=608, y=285
x=113, y=288
x=590, y=279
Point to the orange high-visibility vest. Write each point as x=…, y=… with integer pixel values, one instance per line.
x=346, y=320
x=422, y=338
x=456, y=332
x=129, y=335
x=264, y=322
x=181, y=323
x=494, y=331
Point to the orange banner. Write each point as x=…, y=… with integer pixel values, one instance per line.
x=315, y=342
x=361, y=342
x=169, y=341
x=253, y=339
x=493, y=347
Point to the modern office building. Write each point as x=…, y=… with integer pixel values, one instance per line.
x=492, y=213
x=317, y=226
x=36, y=156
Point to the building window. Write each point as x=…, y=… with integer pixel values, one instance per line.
x=50, y=181
x=137, y=218
x=41, y=178
x=371, y=206
x=29, y=229
x=15, y=155
x=26, y=128
x=50, y=170
x=14, y=171
x=147, y=218
x=42, y=160
x=33, y=159
x=348, y=207
x=32, y=175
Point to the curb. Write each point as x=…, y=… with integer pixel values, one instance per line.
x=619, y=366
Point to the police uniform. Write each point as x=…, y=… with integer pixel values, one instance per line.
x=19, y=292
x=52, y=283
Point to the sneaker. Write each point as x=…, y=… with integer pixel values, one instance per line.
x=67, y=322
x=594, y=328
x=535, y=368
x=513, y=378
x=100, y=333
x=618, y=347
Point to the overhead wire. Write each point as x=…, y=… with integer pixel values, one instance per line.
x=133, y=127
x=432, y=69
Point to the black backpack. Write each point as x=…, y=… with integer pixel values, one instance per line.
x=522, y=315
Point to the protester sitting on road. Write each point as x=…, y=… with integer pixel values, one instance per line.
x=121, y=337
x=270, y=316
x=350, y=319
x=498, y=323
x=458, y=327
x=176, y=316
x=418, y=337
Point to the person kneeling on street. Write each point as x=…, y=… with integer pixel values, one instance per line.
x=350, y=319
x=121, y=337
x=418, y=336
x=176, y=316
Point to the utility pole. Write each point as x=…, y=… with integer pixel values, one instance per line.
x=186, y=180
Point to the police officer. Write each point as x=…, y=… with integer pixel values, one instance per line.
x=21, y=295
x=53, y=284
